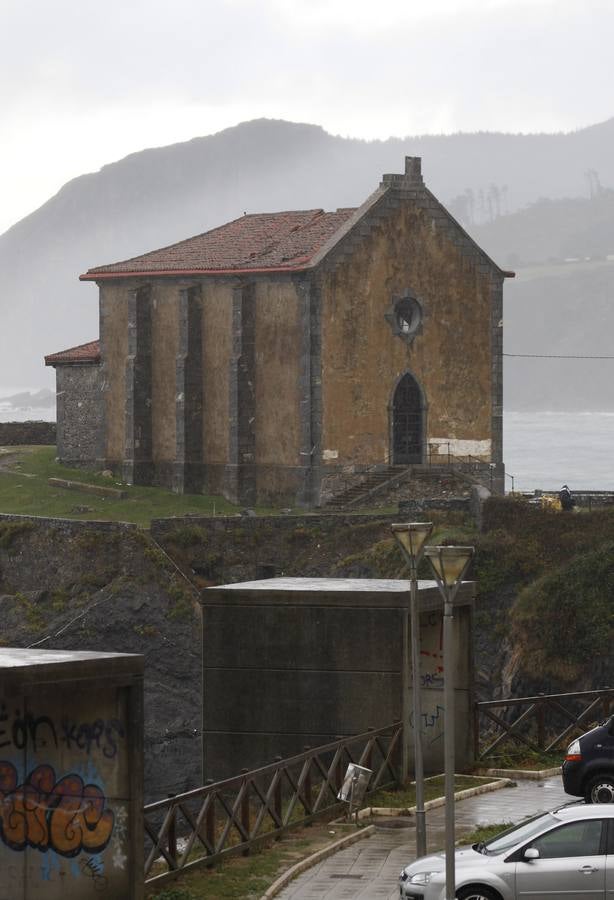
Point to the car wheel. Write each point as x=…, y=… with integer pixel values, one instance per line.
x=600, y=789
x=477, y=893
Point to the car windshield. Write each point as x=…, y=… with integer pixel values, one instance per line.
x=519, y=833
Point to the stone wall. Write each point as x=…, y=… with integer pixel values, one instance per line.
x=330, y=522
x=202, y=388
x=79, y=412
x=296, y=372
x=420, y=506
x=13, y=434
x=407, y=245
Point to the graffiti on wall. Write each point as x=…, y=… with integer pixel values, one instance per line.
x=431, y=650
x=27, y=731
x=56, y=816
x=65, y=815
x=432, y=674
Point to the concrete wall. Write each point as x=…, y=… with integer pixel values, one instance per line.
x=79, y=413
x=70, y=776
x=286, y=668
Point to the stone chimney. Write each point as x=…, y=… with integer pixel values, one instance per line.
x=411, y=178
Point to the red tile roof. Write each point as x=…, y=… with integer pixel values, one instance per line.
x=284, y=241
x=84, y=353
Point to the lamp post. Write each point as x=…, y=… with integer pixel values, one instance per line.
x=449, y=565
x=411, y=538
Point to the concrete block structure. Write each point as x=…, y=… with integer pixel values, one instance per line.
x=295, y=662
x=270, y=356
x=71, y=775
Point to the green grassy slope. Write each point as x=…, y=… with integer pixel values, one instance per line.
x=24, y=490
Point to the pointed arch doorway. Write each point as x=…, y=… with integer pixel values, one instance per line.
x=408, y=410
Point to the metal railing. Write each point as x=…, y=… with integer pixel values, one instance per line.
x=542, y=723
x=465, y=464
x=234, y=816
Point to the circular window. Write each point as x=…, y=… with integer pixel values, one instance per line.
x=405, y=313
x=405, y=316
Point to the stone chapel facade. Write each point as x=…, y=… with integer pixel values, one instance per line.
x=266, y=357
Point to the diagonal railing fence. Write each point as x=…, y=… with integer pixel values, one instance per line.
x=543, y=723
x=234, y=816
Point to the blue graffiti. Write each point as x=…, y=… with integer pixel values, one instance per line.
x=432, y=680
x=431, y=718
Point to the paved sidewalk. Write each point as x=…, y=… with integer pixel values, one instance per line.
x=369, y=869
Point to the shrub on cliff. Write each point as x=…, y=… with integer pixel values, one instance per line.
x=563, y=623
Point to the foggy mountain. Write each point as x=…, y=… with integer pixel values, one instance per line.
x=509, y=191
x=550, y=231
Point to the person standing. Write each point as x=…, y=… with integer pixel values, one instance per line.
x=566, y=499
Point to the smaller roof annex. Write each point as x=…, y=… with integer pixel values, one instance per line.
x=83, y=354
x=262, y=242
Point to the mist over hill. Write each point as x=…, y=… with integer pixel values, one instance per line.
x=505, y=188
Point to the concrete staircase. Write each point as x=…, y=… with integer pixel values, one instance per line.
x=375, y=483
x=378, y=483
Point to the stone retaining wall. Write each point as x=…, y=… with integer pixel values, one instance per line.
x=69, y=527
x=15, y=433
x=442, y=504
x=221, y=524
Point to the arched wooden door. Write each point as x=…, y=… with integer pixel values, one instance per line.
x=407, y=422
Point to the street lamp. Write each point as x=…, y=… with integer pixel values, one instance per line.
x=411, y=538
x=449, y=565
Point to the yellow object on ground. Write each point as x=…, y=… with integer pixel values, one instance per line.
x=550, y=502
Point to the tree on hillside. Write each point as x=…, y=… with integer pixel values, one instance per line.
x=594, y=184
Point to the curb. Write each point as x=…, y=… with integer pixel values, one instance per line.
x=440, y=801
x=314, y=859
x=528, y=774
x=349, y=839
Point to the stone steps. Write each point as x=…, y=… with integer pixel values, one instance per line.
x=371, y=484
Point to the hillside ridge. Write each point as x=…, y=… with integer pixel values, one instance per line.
x=161, y=195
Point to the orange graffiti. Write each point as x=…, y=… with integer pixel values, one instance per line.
x=67, y=816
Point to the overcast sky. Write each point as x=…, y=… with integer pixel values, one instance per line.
x=85, y=82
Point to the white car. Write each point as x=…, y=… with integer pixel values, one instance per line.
x=566, y=854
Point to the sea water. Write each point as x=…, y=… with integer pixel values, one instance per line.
x=540, y=449
x=548, y=449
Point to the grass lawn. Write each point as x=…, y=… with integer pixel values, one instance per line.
x=520, y=758
x=249, y=877
x=433, y=788
x=24, y=490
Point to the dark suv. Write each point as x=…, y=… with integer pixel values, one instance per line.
x=588, y=769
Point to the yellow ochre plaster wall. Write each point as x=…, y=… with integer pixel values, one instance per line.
x=278, y=348
x=362, y=359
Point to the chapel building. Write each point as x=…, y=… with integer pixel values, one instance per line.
x=277, y=356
